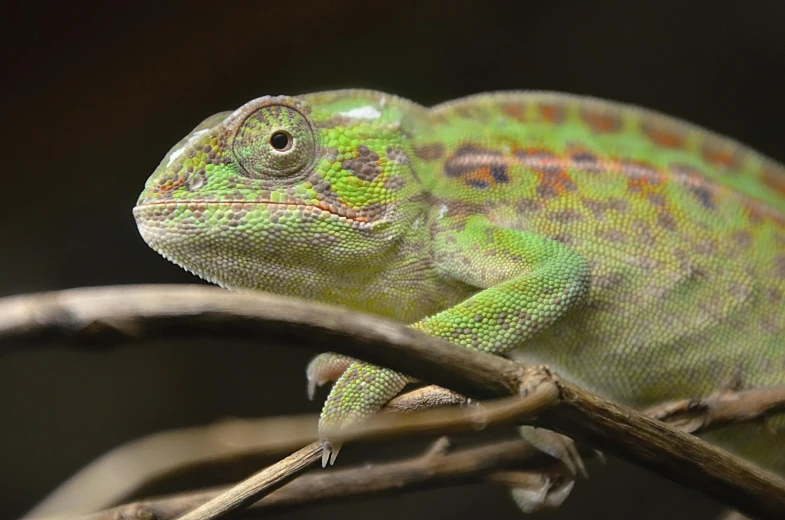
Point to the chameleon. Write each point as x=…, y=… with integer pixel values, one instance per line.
x=637, y=255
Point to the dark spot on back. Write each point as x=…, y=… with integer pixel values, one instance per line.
x=742, y=239
x=666, y=221
x=706, y=247
x=555, y=181
x=565, y=216
x=584, y=157
x=478, y=167
x=614, y=236
x=527, y=206
x=698, y=184
x=607, y=280
x=704, y=195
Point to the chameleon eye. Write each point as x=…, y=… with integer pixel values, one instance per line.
x=281, y=141
x=274, y=141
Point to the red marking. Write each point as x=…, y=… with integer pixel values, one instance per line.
x=774, y=179
x=169, y=185
x=662, y=137
x=642, y=178
x=482, y=174
x=600, y=122
x=514, y=111
x=552, y=113
x=550, y=169
x=555, y=184
x=718, y=156
x=754, y=213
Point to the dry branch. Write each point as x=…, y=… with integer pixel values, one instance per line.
x=110, y=315
x=428, y=471
x=251, y=489
x=117, y=474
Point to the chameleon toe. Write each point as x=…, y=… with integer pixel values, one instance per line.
x=325, y=368
x=330, y=452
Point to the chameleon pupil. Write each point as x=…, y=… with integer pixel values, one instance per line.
x=280, y=141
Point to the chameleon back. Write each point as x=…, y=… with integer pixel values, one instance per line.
x=684, y=230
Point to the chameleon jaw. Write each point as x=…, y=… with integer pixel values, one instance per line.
x=346, y=214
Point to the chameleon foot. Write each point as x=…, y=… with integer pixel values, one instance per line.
x=361, y=391
x=325, y=368
x=556, y=445
x=547, y=497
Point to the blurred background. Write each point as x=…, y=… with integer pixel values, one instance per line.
x=95, y=93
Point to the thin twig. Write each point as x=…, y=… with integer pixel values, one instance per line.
x=378, y=428
x=122, y=471
x=117, y=474
x=691, y=415
x=427, y=471
x=251, y=489
x=111, y=315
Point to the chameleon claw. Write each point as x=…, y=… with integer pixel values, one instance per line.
x=325, y=368
x=312, y=386
x=330, y=453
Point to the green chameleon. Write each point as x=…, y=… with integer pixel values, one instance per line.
x=636, y=255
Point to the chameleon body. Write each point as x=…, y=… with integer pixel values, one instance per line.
x=637, y=255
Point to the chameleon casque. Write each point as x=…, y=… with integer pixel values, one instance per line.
x=636, y=255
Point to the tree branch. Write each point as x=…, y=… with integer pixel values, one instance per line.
x=117, y=474
x=108, y=315
x=251, y=489
x=691, y=415
x=427, y=471
x=122, y=471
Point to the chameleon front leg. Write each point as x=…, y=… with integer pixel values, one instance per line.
x=526, y=282
x=325, y=368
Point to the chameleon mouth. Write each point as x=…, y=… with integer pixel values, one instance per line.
x=344, y=213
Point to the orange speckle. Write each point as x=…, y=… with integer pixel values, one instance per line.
x=719, y=156
x=482, y=174
x=774, y=179
x=662, y=136
x=552, y=113
x=513, y=110
x=601, y=122
x=642, y=178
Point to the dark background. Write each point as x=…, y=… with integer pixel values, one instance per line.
x=95, y=94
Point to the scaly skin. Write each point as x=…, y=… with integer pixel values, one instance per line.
x=636, y=255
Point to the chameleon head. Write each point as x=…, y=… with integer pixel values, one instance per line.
x=295, y=196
